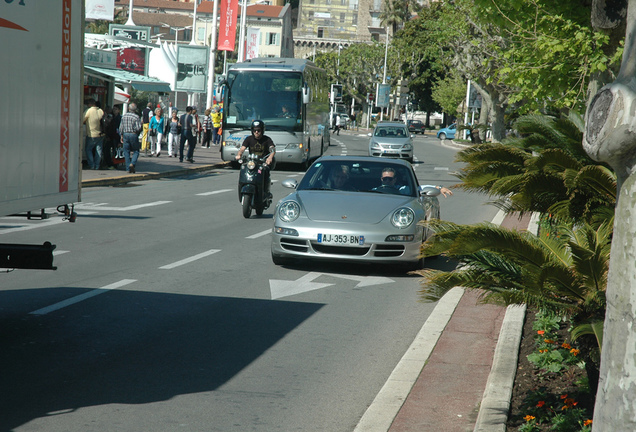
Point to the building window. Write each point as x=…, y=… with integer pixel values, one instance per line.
x=311, y=15
x=354, y=19
x=320, y=32
x=342, y=17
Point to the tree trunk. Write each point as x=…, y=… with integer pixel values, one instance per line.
x=610, y=136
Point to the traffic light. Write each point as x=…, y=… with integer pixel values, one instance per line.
x=401, y=91
x=336, y=93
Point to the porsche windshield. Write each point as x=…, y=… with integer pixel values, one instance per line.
x=271, y=96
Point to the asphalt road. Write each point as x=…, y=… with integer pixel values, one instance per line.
x=166, y=313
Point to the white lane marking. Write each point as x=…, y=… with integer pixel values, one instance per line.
x=33, y=226
x=102, y=206
x=214, y=192
x=260, y=234
x=190, y=259
x=82, y=297
x=440, y=169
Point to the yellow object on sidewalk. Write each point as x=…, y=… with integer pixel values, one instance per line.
x=144, y=138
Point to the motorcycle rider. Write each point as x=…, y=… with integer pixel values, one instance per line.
x=259, y=144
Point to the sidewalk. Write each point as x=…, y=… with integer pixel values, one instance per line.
x=155, y=167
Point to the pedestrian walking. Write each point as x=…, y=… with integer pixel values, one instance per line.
x=145, y=117
x=188, y=133
x=336, y=129
x=94, y=135
x=217, y=118
x=207, y=129
x=129, y=129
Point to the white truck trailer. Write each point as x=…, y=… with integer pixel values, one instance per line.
x=41, y=93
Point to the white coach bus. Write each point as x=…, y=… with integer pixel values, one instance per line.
x=291, y=96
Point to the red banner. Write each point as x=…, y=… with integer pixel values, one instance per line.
x=227, y=25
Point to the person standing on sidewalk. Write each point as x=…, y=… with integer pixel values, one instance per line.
x=94, y=136
x=188, y=133
x=156, y=132
x=217, y=118
x=174, y=134
x=129, y=130
x=207, y=129
x=145, y=116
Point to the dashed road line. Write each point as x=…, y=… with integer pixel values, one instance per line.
x=82, y=297
x=260, y=234
x=214, y=192
x=190, y=259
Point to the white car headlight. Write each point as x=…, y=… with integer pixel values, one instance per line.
x=403, y=217
x=407, y=146
x=288, y=211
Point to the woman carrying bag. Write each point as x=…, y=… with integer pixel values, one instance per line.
x=155, y=132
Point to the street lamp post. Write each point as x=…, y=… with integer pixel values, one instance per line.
x=210, y=86
x=130, y=12
x=241, y=50
x=176, y=30
x=194, y=22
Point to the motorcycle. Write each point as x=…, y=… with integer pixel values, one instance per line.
x=252, y=191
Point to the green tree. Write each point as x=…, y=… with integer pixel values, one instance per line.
x=449, y=94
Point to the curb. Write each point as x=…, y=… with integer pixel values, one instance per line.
x=111, y=181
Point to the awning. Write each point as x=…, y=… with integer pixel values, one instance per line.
x=139, y=82
x=121, y=96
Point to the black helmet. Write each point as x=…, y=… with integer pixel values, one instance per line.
x=258, y=124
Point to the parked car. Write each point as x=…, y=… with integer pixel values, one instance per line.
x=391, y=140
x=344, y=210
x=416, y=126
x=449, y=132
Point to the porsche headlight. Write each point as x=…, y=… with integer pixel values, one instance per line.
x=403, y=217
x=288, y=211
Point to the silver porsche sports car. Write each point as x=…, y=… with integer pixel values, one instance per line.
x=355, y=208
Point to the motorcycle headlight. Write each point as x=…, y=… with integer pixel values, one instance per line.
x=251, y=165
x=289, y=211
x=403, y=217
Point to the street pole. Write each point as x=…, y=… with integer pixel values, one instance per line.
x=241, y=50
x=194, y=23
x=210, y=87
x=466, y=113
x=386, y=52
x=130, y=12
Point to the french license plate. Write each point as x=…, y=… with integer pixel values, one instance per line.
x=341, y=239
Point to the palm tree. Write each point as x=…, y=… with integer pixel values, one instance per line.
x=564, y=273
x=545, y=170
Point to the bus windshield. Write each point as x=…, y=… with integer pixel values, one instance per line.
x=272, y=96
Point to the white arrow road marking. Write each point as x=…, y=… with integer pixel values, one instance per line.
x=215, y=192
x=82, y=297
x=91, y=206
x=260, y=234
x=440, y=169
x=363, y=280
x=189, y=260
x=283, y=288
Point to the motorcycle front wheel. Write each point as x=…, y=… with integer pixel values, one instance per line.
x=246, y=202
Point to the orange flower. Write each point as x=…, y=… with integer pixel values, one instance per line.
x=574, y=351
x=550, y=341
x=540, y=404
x=528, y=418
x=587, y=422
x=564, y=396
x=541, y=332
x=543, y=350
x=568, y=403
x=566, y=345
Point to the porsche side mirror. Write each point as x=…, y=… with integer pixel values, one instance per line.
x=429, y=191
x=290, y=183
